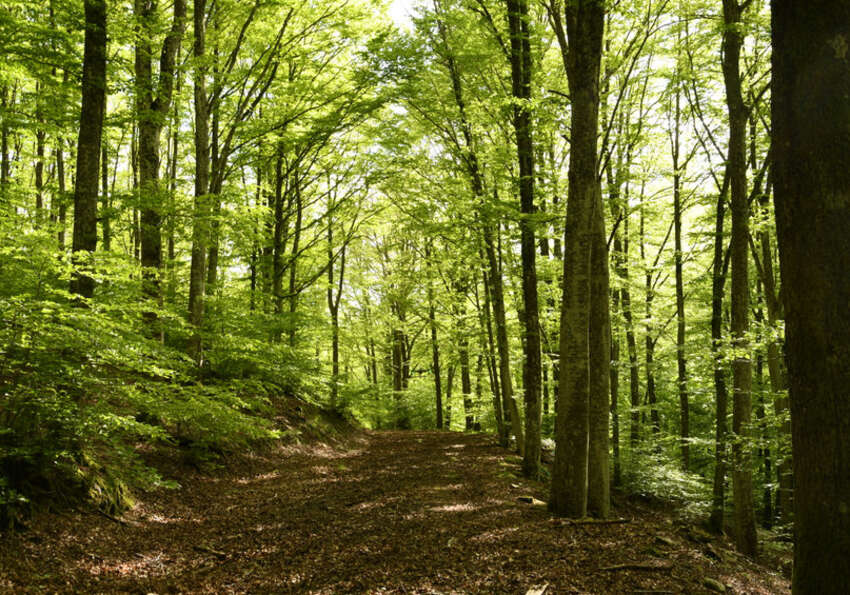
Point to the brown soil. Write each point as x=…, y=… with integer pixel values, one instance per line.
x=399, y=512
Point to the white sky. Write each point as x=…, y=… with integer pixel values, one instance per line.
x=400, y=11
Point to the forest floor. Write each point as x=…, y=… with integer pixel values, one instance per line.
x=393, y=512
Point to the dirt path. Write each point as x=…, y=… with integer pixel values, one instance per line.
x=412, y=512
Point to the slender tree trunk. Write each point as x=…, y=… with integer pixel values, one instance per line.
x=501, y=421
x=200, y=219
x=402, y=420
x=498, y=300
x=89, y=141
x=40, y=136
x=61, y=196
x=649, y=339
x=105, y=197
x=681, y=361
x=435, y=346
x=615, y=375
x=5, y=165
x=631, y=343
x=742, y=481
x=718, y=282
x=494, y=274
x=811, y=83
x=293, y=261
x=280, y=232
x=334, y=296
x=776, y=369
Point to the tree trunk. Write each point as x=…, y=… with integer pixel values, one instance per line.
x=718, y=282
x=435, y=346
x=501, y=421
x=494, y=274
x=521, y=65
x=88, y=142
x=569, y=488
x=649, y=339
x=599, y=472
x=293, y=261
x=105, y=197
x=200, y=219
x=742, y=481
x=151, y=106
x=498, y=299
x=811, y=83
x=40, y=136
x=61, y=198
x=681, y=362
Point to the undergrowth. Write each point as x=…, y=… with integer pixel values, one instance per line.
x=85, y=388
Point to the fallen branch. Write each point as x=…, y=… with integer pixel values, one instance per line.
x=209, y=550
x=112, y=518
x=637, y=566
x=591, y=521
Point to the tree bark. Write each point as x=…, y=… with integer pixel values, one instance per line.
x=742, y=481
x=200, y=219
x=681, y=361
x=521, y=64
x=569, y=488
x=89, y=141
x=151, y=107
x=435, y=346
x=811, y=133
x=718, y=283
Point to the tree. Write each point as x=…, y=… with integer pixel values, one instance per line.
x=518, y=19
x=584, y=332
x=89, y=140
x=745, y=524
x=152, y=104
x=811, y=83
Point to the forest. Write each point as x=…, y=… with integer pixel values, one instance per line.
x=548, y=295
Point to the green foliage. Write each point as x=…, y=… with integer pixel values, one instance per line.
x=659, y=477
x=83, y=390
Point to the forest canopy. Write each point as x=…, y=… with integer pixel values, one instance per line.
x=551, y=221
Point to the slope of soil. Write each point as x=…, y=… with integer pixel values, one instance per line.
x=400, y=512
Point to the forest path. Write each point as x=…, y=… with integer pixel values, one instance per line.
x=405, y=512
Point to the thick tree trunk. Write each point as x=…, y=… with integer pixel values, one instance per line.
x=811, y=131
x=569, y=488
x=151, y=106
x=742, y=481
x=521, y=64
x=89, y=140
